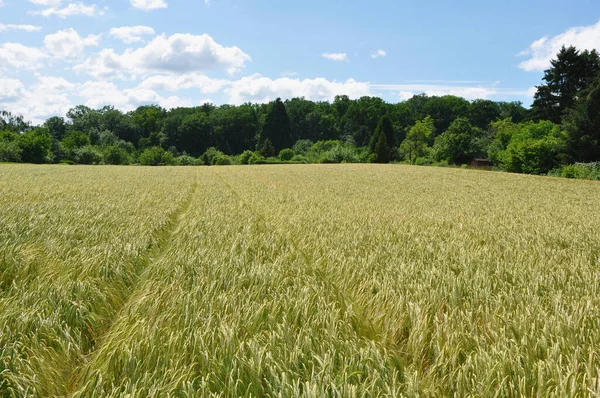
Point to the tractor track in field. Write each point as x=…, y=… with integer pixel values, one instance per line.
x=364, y=326
x=163, y=239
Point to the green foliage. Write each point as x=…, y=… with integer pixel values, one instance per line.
x=535, y=148
x=582, y=125
x=276, y=128
x=186, y=160
x=267, y=149
x=588, y=171
x=10, y=151
x=116, y=155
x=244, y=158
x=385, y=128
x=88, y=154
x=457, y=144
x=35, y=146
x=73, y=140
x=571, y=72
x=338, y=153
x=256, y=158
x=302, y=146
x=12, y=123
x=155, y=156
x=381, y=152
x=213, y=157
x=286, y=154
x=195, y=134
x=416, y=143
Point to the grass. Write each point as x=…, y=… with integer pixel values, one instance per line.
x=297, y=280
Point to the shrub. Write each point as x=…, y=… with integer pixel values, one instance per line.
x=88, y=154
x=286, y=154
x=10, y=152
x=244, y=158
x=116, y=155
x=302, y=146
x=186, y=160
x=340, y=153
x=154, y=156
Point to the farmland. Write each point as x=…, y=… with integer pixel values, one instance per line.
x=297, y=280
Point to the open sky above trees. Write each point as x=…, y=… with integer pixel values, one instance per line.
x=55, y=54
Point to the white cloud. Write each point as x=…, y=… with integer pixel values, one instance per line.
x=407, y=91
x=99, y=94
x=54, y=96
x=186, y=81
x=49, y=96
x=178, y=54
x=15, y=55
x=46, y=2
x=541, y=51
x=335, y=56
x=132, y=34
x=25, y=28
x=257, y=88
x=72, y=9
x=148, y=5
x=10, y=89
x=67, y=43
x=378, y=53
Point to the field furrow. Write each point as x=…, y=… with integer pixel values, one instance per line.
x=316, y=280
x=74, y=241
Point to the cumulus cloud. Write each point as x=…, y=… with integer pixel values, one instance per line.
x=54, y=96
x=257, y=88
x=541, y=51
x=46, y=2
x=99, y=94
x=178, y=54
x=131, y=34
x=25, y=28
x=67, y=43
x=407, y=91
x=10, y=89
x=71, y=9
x=378, y=53
x=49, y=96
x=198, y=81
x=15, y=55
x=148, y=5
x=335, y=56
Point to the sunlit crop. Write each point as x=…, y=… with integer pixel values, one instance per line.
x=299, y=280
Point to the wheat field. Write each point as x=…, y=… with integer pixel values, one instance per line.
x=297, y=281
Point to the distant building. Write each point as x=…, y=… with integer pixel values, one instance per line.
x=481, y=163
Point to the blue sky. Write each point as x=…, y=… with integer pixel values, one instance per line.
x=55, y=54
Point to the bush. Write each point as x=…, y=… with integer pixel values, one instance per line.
x=302, y=146
x=341, y=153
x=116, y=155
x=88, y=154
x=154, y=156
x=10, y=152
x=244, y=158
x=256, y=158
x=286, y=154
x=223, y=161
x=588, y=171
x=187, y=161
x=35, y=146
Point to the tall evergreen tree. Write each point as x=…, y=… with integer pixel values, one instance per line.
x=571, y=72
x=276, y=127
x=582, y=125
x=382, y=150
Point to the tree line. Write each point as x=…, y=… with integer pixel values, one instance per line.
x=561, y=128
